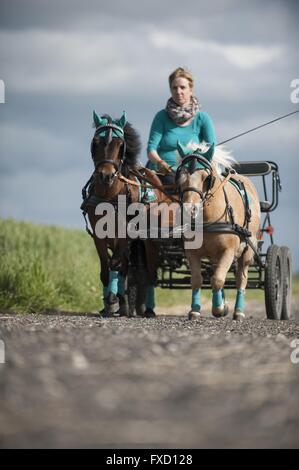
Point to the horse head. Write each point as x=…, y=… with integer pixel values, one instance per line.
x=194, y=177
x=108, y=147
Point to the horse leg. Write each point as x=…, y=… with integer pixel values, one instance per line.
x=223, y=263
x=241, y=282
x=196, y=282
x=115, y=288
x=152, y=252
x=122, y=274
x=101, y=248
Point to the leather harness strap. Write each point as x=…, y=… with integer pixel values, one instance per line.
x=150, y=184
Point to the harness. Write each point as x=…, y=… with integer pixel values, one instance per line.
x=220, y=227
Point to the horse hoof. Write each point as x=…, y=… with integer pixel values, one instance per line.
x=111, y=304
x=140, y=310
x=193, y=315
x=219, y=312
x=104, y=313
x=149, y=313
x=123, y=306
x=238, y=315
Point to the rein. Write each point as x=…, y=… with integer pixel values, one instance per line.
x=150, y=184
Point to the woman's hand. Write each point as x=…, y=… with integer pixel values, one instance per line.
x=164, y=168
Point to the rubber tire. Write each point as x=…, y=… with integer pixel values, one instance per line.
x=287, y=283
x=274, y=276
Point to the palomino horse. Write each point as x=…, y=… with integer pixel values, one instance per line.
x=231, y=218
x=114, y=148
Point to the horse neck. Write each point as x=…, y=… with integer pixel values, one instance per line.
x=216, y=205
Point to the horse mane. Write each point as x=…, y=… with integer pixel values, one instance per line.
x=222, y=156
x=133, y=145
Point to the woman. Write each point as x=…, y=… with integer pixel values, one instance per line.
x=182, y=121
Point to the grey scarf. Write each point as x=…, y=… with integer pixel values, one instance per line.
x=181, y=114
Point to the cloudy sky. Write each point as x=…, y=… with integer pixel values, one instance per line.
x=59, y=60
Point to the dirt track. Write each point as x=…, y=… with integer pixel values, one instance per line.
x=84, y=381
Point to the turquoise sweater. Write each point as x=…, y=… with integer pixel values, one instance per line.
x=165, y=133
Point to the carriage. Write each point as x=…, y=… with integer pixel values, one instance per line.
x=271, y=269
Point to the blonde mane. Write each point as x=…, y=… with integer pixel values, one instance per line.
x=222, y=157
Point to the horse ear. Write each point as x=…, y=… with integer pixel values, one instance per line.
x=183, y=151
x=96, y=119
x=123, y=120
x=209, y=153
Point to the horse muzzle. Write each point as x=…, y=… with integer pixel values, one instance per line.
x=106, y=178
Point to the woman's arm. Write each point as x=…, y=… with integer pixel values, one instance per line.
x=208, y=133
x=156, y=134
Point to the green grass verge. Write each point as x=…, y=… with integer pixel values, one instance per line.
x=48, y=267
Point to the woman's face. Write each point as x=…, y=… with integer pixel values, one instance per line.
x=181, y=91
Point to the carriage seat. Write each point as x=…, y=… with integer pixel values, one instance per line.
x=255, y=168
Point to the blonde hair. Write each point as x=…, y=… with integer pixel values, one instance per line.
x=181, y=72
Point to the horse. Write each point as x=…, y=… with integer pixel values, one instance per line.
x=114, y=148
x=231, y=219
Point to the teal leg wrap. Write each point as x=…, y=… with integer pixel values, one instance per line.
x=113, y=281
x=240, y=300
x=196, y=300
x=217, y=298
x=121, y=284
x=105, y=291
x=223, y=294
x=150, y=297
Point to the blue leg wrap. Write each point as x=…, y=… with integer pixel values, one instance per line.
x=105, y=291
x=240, y=300
x=196, y=300
x=217, y=298
x=121, y=284
x=113, y=281
x=223, y=294
x=150, y=297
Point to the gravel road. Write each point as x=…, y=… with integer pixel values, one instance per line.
x=72, y=380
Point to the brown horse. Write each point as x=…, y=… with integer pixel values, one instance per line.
x=114, y=148
x=231, y=219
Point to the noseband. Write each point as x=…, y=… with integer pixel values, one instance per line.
x=110, y=127
x=192, y=159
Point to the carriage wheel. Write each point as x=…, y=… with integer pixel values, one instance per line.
x=274, y=276
x=287, y=283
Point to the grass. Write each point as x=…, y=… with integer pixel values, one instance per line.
x=48, y=267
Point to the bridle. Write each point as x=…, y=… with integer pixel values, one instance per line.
x=191, y=160
x=109, y=128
